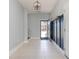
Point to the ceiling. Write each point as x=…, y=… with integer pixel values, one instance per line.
x=46, y=5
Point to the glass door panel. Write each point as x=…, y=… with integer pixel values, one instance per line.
x=44, y=29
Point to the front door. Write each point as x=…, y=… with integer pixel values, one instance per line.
x=44, y=29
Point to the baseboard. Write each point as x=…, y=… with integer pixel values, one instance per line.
x=59, y=48
x=35, y=37
x=15, y=49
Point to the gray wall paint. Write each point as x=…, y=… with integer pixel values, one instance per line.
x=34, y=23
x=16, y=24
x=62, y=7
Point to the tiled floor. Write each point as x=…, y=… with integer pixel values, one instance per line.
x=38, y=49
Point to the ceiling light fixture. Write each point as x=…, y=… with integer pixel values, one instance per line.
x=36, y=6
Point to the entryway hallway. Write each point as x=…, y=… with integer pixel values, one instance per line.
x=38, y=49
x=25, y=25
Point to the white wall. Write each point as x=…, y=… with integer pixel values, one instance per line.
x=62, y=7
x=34, y=23
x=25, y=24
x=16, y=24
